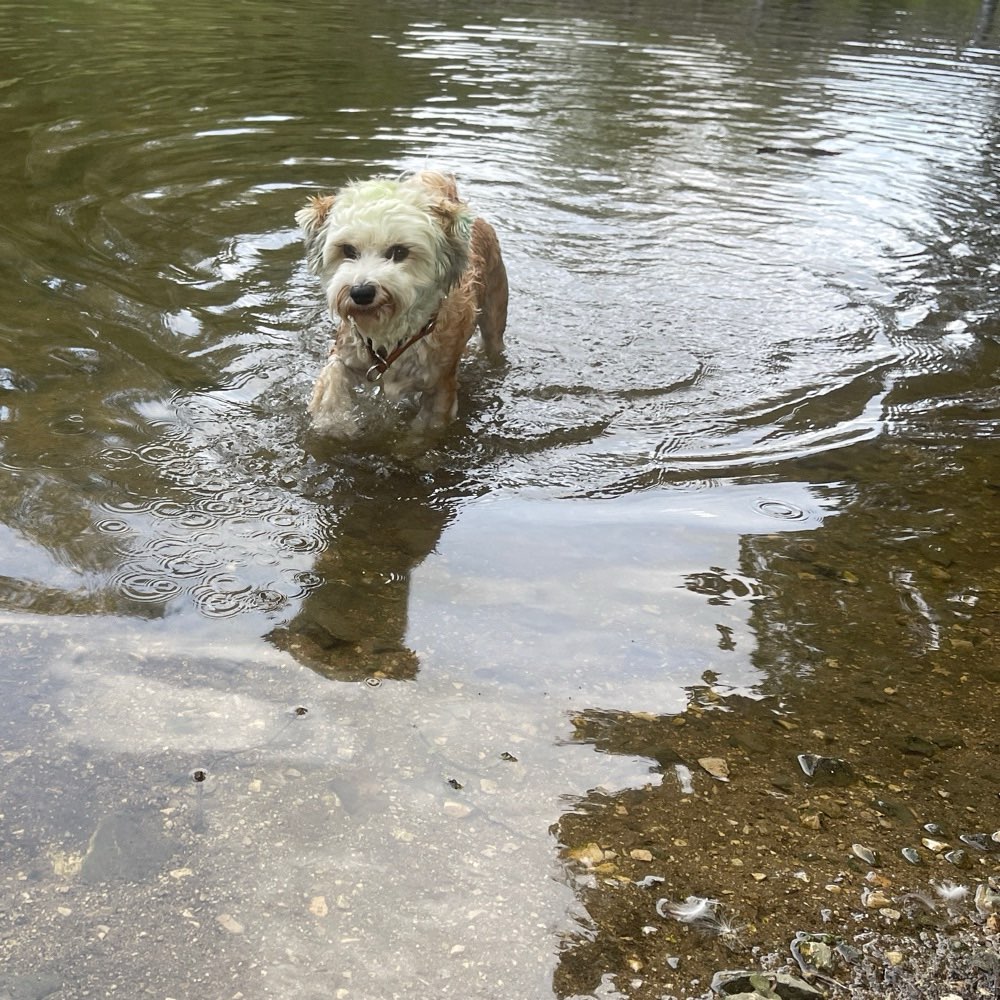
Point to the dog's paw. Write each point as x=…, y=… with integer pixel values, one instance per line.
x=336, y=424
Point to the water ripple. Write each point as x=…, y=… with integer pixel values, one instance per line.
x=686, y=309
x=145, y=587
x=780, y=509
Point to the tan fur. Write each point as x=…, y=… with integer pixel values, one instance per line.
x=428, y=370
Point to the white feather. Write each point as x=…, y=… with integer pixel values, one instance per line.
x=951, y=892
x=694, y=910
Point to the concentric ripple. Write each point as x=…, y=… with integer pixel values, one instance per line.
x=145, y=587
x=780, y=510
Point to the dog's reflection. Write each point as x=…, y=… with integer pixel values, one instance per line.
x=353, y=625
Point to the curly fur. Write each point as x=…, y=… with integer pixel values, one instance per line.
x=393, y=255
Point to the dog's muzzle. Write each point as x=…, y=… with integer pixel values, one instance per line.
x=363, y=294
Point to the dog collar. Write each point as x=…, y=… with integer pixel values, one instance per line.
x=381, y=365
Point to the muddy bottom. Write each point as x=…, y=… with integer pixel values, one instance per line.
x=835, y=811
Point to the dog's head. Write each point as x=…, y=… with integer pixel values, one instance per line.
x=388, y=251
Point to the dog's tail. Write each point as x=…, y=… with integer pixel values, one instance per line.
x=492, y=291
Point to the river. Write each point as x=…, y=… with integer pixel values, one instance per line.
x=287, y=718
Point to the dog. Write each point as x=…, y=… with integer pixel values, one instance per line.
x=408, y=274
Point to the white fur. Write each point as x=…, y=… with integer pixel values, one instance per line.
x=373, y=217
x=424, y=274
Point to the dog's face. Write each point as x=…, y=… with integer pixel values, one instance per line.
x=387, y=251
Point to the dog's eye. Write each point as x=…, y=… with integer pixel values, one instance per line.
x=349, y=251
x=397, y=253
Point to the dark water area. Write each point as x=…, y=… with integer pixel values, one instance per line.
x=284, y=718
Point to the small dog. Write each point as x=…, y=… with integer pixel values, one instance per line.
x=408, y=272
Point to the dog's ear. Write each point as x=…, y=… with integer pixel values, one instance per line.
x=442, y=185
x=455, y=221
x=312, y=219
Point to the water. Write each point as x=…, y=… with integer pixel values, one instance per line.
x=753, y=260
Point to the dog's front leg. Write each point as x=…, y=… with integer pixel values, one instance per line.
x=438, y=405
x=331, y=406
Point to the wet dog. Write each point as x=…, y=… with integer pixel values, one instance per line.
x=408, y=273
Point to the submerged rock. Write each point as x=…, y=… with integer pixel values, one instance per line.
x=826, y=770
x=919, y=746
x=750, y=983
x=987, y=899
x=813, y=952
x=128, y=846
x=981, y=841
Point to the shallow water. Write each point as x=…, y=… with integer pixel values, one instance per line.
x=753, y=260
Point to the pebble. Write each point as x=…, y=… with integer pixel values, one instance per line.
x=818, y=954
x=230, y=923
x=866, y=854
x=587, y=854
x=875, y=899
x=640, y=855
x=937, y=846
x=66, y=865
x=715, y=766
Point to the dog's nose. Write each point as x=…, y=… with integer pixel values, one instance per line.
x=363, y=294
